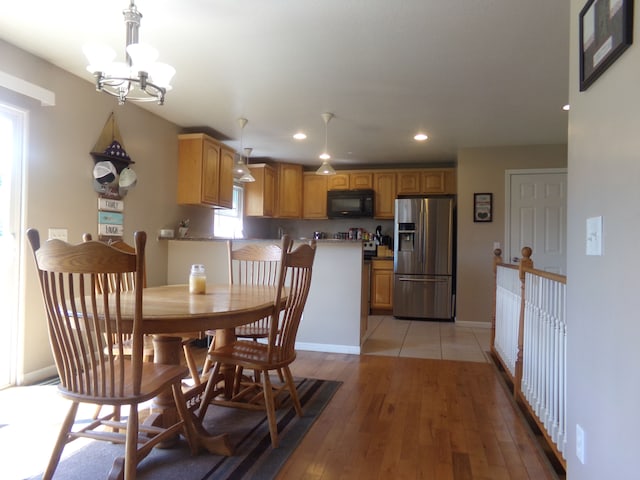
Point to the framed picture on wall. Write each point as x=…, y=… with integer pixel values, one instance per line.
x=606, y=30
x=482, y=207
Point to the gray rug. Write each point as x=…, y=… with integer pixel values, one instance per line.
x=254, y=458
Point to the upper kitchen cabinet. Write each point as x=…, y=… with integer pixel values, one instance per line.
x=447, y=178
x=314, y=195
x=356, y=180
x=408, y=182
x=339, y=181
x=288, y=190
x=361, y=180
x=426, y=181
x=384, y=187
x=205, y=171
x=259, y=196
x=227, y=159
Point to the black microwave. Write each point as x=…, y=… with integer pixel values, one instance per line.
x=350, y=203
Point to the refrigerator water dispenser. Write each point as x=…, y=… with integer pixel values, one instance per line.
x=407, y=236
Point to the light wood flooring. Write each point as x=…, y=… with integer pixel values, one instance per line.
x=397, y=415
x=410, y=418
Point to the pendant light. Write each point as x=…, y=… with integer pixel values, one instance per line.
x=241, y=171
x=325, y=167
x=246, y=176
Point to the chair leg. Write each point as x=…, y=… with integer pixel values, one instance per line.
x=62, y=440
x=208, y=392
x=293, y=391
x=131, y=446
x=270, y=407
x=207, y=363
x=187, y=419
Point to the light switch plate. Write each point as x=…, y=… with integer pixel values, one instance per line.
x=594, y=236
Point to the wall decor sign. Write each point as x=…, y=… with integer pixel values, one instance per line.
x=482, y=207
x=606, y=30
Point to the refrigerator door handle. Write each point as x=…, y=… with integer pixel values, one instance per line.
x=423, y=280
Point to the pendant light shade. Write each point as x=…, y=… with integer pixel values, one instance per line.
x=241, y=171
x=325, y=167
x=246, y=175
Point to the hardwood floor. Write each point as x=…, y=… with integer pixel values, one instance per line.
x=393, y=417
x=409, y=418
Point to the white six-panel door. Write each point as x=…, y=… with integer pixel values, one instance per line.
x=536, y=206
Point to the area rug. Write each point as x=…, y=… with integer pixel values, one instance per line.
x=253, y=458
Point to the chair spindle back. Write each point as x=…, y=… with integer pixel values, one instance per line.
x=81, y=315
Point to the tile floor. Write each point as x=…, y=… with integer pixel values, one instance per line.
x=390, y=336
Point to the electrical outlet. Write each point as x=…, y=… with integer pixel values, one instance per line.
x=59, y=233
x=580, y=443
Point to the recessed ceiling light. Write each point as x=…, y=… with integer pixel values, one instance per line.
x=566, y=107
x=299, y=136
x=420, y=137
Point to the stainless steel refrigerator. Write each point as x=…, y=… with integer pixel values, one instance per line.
x=424, y=258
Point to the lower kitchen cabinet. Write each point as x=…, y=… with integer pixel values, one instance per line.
x=381, y=286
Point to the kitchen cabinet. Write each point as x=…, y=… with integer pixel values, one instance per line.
x=426, y=181
x=361, y=180
x=288, y=190
x=339, y=181
x=381, y=286
x=355, y=180
x=314, y=196
x=384, y=187
x=205, y=171
x=259, y=196
x=408, y=182
x=227, y=159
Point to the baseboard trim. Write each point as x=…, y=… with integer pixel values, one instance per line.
x=38, y=376
x=328, y=348
x=473, y=324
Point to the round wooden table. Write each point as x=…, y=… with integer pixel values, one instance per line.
x=171, y=312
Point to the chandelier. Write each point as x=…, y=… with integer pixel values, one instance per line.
x=141, y=78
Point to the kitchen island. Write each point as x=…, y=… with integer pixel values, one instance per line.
x=335, y=316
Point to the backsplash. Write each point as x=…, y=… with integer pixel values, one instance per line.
x=271, y=227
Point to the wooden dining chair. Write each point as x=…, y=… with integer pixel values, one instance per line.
x=252, y=264
x=294, y=281
x=81, y=318
x=128, y=284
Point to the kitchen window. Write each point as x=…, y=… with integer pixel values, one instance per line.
x=227, y=222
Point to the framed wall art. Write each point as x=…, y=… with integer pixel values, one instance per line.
x=606, y=31
x=482, y=207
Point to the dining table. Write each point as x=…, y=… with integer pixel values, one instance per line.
x=171, y=312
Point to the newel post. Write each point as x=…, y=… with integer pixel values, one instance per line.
x=497, y=259
x=525, y=262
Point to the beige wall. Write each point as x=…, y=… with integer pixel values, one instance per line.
x=602, y=291
x=482, y=170
x=58, y=178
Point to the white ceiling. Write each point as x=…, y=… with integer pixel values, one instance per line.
x=469, y=73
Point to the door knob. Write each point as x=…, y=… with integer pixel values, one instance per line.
x=515, y=259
